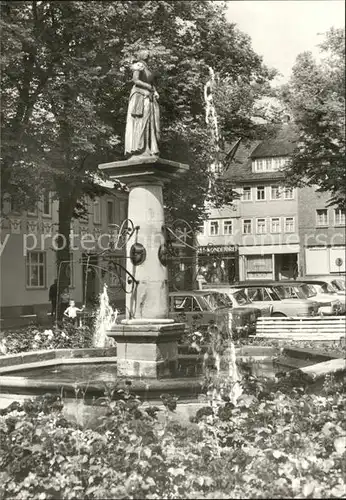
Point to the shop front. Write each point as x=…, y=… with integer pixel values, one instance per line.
x=274, y=262
x=217, y=264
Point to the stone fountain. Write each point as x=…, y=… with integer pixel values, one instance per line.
x=147, y=340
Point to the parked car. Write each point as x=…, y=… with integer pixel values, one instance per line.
x=337, y=284
x=263, y=292
x=239, y=298
x=201, y=309
x=330, y=302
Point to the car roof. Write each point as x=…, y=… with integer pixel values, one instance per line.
x=302, y=281
x=194, y=292
x=241, y=284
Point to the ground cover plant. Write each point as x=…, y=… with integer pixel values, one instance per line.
x=280, y=443
x=33, y=338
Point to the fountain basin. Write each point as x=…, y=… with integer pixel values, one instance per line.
x=84, y=376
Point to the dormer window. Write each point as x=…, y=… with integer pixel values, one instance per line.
x=269, y=164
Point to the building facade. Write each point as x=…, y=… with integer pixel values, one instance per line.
x=322, y=235
x=28, y=253
x=275, y=232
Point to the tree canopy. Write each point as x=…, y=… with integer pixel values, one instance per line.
x=316, y=97
x=65, y=88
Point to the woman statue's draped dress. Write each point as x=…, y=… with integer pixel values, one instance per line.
x=143, y=114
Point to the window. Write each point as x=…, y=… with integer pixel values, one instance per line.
x=276, y=163
x=116, y=275
x=97, y=211
x=261, y=226
x=261, y=193
x=288, y=194
x=214, y=228
x=289, y=224
x=322, y=217
x=70, y=271
x=182, y=304
x=227, y=227
x=32, y=210
x=247, y=226
x=115, y=279
x=262, y=294
x=14, y=206
x=275, y=225
x=122, y=210
x=110, y=212
x=200, y=229
x=275, y=193
x=36, y=270
x=268, y=164
x=339, y=217
x=46, y=204
x=259, y=165
x=246, y=196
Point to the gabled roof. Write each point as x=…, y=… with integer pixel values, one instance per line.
x=283, y=144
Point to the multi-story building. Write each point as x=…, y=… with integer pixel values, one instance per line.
x=263, y=224
x=28, y=253
x=322, y=234
x=276, y=232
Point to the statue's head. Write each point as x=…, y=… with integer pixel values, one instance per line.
x=143, y=55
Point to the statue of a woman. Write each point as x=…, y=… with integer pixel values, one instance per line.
x=143, y=115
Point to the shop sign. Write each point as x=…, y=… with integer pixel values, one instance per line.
x=212, y=249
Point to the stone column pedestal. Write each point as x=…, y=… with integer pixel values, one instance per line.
x=150, y=298
x=147, y=342
x=147, y=350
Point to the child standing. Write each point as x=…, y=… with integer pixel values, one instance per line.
x=71, y=312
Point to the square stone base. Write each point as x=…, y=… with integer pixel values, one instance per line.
x=139, y=169
x=149, y=351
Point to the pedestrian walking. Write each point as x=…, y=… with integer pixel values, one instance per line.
x=53, y=293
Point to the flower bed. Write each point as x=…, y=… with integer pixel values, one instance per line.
x=280, y=444
x=33, y=339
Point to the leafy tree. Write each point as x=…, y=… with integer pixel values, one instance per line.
x=66, y=85
x=316, y=96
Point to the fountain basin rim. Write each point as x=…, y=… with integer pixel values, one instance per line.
x=147, y=321
x=56, y=362
x=148, y=390
x=46, y=354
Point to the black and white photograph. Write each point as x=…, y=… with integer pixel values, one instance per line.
x=173, y=247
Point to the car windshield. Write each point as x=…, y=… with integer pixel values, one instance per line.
x=308, y=290
x=241, y=298
x=326, y=288
x=339, y=285
x=216, y=300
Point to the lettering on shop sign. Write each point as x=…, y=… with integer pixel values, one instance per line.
x=216, y=249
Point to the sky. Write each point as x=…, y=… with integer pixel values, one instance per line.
x=282, y=29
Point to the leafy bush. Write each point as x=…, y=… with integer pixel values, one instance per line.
x=271, y=445
x=33, y=339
